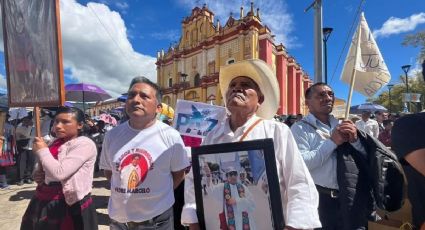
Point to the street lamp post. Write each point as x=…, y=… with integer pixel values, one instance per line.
x=183, y=80
x=406, y=69
x=390, y=86
x=326, y=33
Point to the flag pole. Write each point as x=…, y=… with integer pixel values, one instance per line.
x=353, y=73
x=350, y=94
x=36, y=113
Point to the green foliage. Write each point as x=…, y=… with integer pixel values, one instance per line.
x=416, y=40
x=416, y=85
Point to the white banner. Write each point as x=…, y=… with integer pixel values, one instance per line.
x=411, y=97
x=371, y=72
x=197, y=119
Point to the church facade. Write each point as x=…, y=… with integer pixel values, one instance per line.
x=189, y=70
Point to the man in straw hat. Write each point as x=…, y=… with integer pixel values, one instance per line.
x=251, y=95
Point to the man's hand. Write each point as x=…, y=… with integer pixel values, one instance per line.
x=349, y=130
x=337, y=137
x=38, y=144
x=194, y=226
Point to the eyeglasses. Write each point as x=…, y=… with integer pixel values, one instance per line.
x=233, y=173
x=324, y=94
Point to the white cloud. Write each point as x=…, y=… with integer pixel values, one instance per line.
x=96, y=47
x=3, y=82
x=399, y=25
x=416, y=70
x=122, y=5
x=273, y=13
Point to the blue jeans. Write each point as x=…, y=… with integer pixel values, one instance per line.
x=164, y=221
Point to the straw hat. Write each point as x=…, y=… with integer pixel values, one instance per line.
x=261, y=74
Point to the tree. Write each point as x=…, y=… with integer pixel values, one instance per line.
x=416, y=85
x=416, y=40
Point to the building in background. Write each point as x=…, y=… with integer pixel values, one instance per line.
x=109, y=106
x=189, y=69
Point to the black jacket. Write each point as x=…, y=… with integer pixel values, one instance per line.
x=364, y=181
x=355, y=191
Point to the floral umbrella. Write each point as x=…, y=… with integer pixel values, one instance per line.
x=107, y=118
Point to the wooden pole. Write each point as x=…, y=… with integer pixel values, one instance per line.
x=353, y=73
x=37, y=121
x=350, y=93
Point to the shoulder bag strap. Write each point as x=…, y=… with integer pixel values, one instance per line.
x=249, y=129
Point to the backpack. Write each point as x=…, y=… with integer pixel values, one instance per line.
x=387, y=177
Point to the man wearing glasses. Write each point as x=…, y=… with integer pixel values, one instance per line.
x=319, y=137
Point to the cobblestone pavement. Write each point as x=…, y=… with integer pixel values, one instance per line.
x=15, y=199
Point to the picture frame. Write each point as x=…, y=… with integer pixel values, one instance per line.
x=33, y=53
x=241, y=173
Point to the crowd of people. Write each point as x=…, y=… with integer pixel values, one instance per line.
x=18, y=139
x=320, y=160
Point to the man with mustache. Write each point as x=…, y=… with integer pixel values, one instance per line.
x=251, y=95
x=318, y=136
x=159, y=154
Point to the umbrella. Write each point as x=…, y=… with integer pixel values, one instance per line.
x=122, y=98
x=118, y=109
x=357, y=109
x=107, y=118
x=83, y=92
x=17, y=113
x=55, y=108
x=68, y=104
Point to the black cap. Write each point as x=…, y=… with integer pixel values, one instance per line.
x=408, y=134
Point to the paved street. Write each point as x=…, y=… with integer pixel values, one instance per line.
x=14, y=201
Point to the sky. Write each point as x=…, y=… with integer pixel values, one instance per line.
x=107, y=42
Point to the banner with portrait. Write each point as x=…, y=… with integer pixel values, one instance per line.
x=31, y=32
x=411, y=97
x=237, y=186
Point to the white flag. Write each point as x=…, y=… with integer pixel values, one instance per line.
x=365, y=59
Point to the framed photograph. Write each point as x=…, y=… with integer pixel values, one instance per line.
x=237, y=186
x=33, y=53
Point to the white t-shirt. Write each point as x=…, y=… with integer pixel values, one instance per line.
x=141, y=162
x=371, y=127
